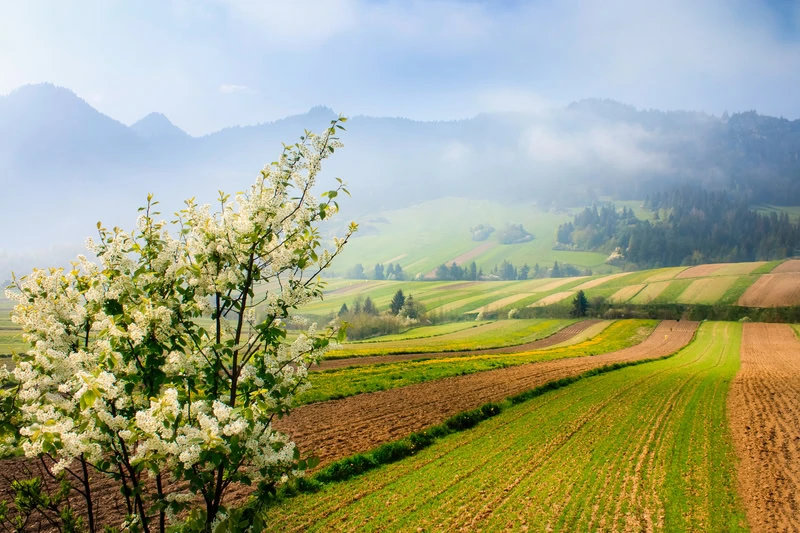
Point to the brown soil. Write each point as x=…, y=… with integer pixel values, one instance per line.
x=764, y=411
x=340, y=428
x=556, y=338
x=773, y=290
x=792, y=265
x=700, y=271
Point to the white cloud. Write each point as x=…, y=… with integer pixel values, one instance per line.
x=229, y=88
x=621, y=146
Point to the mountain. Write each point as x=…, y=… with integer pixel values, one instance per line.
x=156, y=125
x=64, y=165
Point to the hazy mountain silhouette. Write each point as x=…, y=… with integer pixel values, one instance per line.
x=156, y=125
x=64, y=165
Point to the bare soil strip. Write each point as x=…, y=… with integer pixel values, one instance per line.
x=764, y=411
x=340, y=428
x=792, y=265
x=773, y=290
x=700, y=271
x=556, y=338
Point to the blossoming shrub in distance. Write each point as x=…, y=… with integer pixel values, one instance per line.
x=121, y=376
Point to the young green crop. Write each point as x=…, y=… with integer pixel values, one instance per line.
x=642, y=448
x=487, y=335
x=370, y=378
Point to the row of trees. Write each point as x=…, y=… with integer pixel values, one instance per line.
x=363, y=319
x=507, y=271
x=379, y=272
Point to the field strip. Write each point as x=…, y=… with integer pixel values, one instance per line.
x=501, y=303
x=552, y=299
x=495, y=334
x=591, y=284
x=650, y=292
x=595, y=329
x=559, y=338
x=626, y=293
x=640, y=449
x=340, y=428
x=706, y=290
x=773, y=290
x=665, y=274
x=764, y=411
x=701, y=271
x=553, y=285
x=739, y=269
x=792, y=265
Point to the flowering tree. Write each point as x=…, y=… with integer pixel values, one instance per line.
x=166, y=360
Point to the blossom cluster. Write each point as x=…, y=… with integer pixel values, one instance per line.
x=123, y=365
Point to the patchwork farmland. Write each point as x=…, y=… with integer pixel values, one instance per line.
x=549, y=424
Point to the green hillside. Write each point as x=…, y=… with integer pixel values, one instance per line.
x=422, y=237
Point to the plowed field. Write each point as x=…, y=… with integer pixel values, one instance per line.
x=773, y=290
x=557, y=338
x=764, y=410
x=340, y=428
x=793, y=265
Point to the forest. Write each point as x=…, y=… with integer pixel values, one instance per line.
x=689, y=226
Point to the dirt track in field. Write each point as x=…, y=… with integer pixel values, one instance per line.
x=556, y=338
x=340, y=428
x=764, y=410
x=773, y=290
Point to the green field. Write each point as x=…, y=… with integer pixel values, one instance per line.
x=350, y=381
x=422, y=237
x=642, y=448
x=482, y=335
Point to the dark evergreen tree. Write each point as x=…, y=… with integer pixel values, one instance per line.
x=579, y=305
x=398, y=300
x=369, y=307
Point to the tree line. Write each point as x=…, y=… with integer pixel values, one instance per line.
x=690, y=226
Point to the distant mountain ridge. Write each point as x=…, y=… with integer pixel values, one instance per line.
x=64, y=165
x=157, y=125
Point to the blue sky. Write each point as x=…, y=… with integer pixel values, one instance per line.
x=208, y=64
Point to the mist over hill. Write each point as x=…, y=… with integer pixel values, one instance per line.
x=64, y=165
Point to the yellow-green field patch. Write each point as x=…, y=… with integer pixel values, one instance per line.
x=626, y=293
x=588, y=333
x=593, y=283
x=665, y=274
x=706, y=290
x=552, y=299
x=501, y=303
x=739, y=269
x=650, y=292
